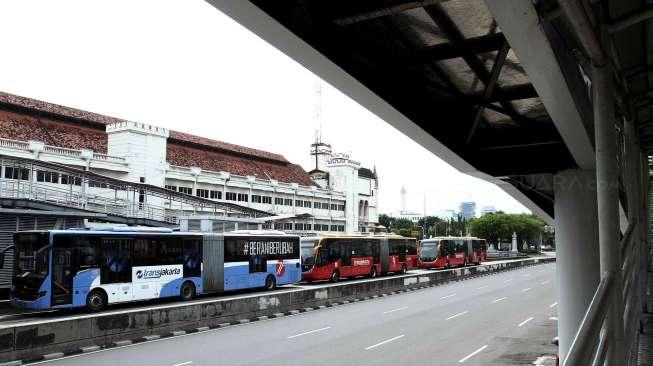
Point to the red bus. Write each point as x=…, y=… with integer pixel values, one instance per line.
x=446, y=252
x=476, y=250
x=334, y=257
x=443, y=252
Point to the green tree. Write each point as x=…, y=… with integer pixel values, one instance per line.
x=433, y=226
x=500, y=227
x=386, y=221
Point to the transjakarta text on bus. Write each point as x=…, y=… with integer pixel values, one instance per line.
x=334, y=257
x=76, y=268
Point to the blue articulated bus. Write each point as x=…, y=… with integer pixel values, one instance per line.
x=94, y=268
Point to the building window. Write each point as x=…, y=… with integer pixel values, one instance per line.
x=256, y=198
x=299, y=203
x=317, y=204
x=230, y=196
x=278, y=226
x=287, y=225
x=341, y=228
x=215, y=195
x=204, y=193
x=325, y=205
x=95, y=184
x=307, y=204
x=186, y=190
x=287, y=202
x=267, y=199
x=243, y=197
x=307, y=226
x=334, y=207
x=334, y=227
x=299, y=226
x=69, y=179
x=325, y=227
x=16, y=173
x=47, y=177
x=172, y=188
x=341, y=207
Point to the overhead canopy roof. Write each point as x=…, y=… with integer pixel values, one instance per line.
x=513, y=116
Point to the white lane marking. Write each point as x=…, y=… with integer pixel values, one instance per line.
x=445, y=297
x=384, y=342
x=308, y=332
x=397, y=309
x=526, y=289
x=544, y=283
x=482, y=287
x=525, y=321
x=540, y=271
x=183, y=363
x=553, y=305
x=553, y=318
x=472, y=354
x=499, y=299
x=508, y=280
x=527, y=275
x=457, y=315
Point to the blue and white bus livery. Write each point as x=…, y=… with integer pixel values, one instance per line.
x=94, y=268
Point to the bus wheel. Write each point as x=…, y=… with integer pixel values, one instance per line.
x=404, y=269
x=270, y=283
x=96, y=300
x=335, y=276
x=373, y=272
x=187, y=291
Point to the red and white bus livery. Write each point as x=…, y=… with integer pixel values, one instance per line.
x=335, y=257
x=476, y=250
x=446, y=252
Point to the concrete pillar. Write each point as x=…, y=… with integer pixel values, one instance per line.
x=576, y=235
x=608, y=204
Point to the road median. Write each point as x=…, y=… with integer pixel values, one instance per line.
x=73, y=334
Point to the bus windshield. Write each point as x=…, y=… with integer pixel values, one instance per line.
x=306, y=250
x=31, y=254
x=428, y=251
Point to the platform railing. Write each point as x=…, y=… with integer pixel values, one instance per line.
x=44, y=192
x=590, y=343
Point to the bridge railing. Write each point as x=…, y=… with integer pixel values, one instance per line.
x=590, y=344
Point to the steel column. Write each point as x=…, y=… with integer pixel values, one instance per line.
x=608, y=205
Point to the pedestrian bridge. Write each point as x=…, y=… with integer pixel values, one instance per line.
x=550, y=100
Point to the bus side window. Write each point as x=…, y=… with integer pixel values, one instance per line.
x=116, y=260
x=145, y=252
x=192, y=252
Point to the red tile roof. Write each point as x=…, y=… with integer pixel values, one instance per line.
x=30, y=119
x=99, y=120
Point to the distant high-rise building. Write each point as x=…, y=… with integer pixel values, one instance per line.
x=468, y=209
x=488, y=210
x=403, y=198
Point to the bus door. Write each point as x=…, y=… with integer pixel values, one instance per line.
x=62, y=276
x=384, y=254
x=116, y=268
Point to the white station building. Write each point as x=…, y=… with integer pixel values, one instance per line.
x=337, y=196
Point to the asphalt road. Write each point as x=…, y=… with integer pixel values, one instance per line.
x=10, y=317
x=460, y=323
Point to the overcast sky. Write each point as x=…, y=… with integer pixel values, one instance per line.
x=184, y=65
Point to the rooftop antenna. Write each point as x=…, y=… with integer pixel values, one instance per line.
x=317, y=111
x=319, y=149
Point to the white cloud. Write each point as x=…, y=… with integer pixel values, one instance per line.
x=184, y=65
